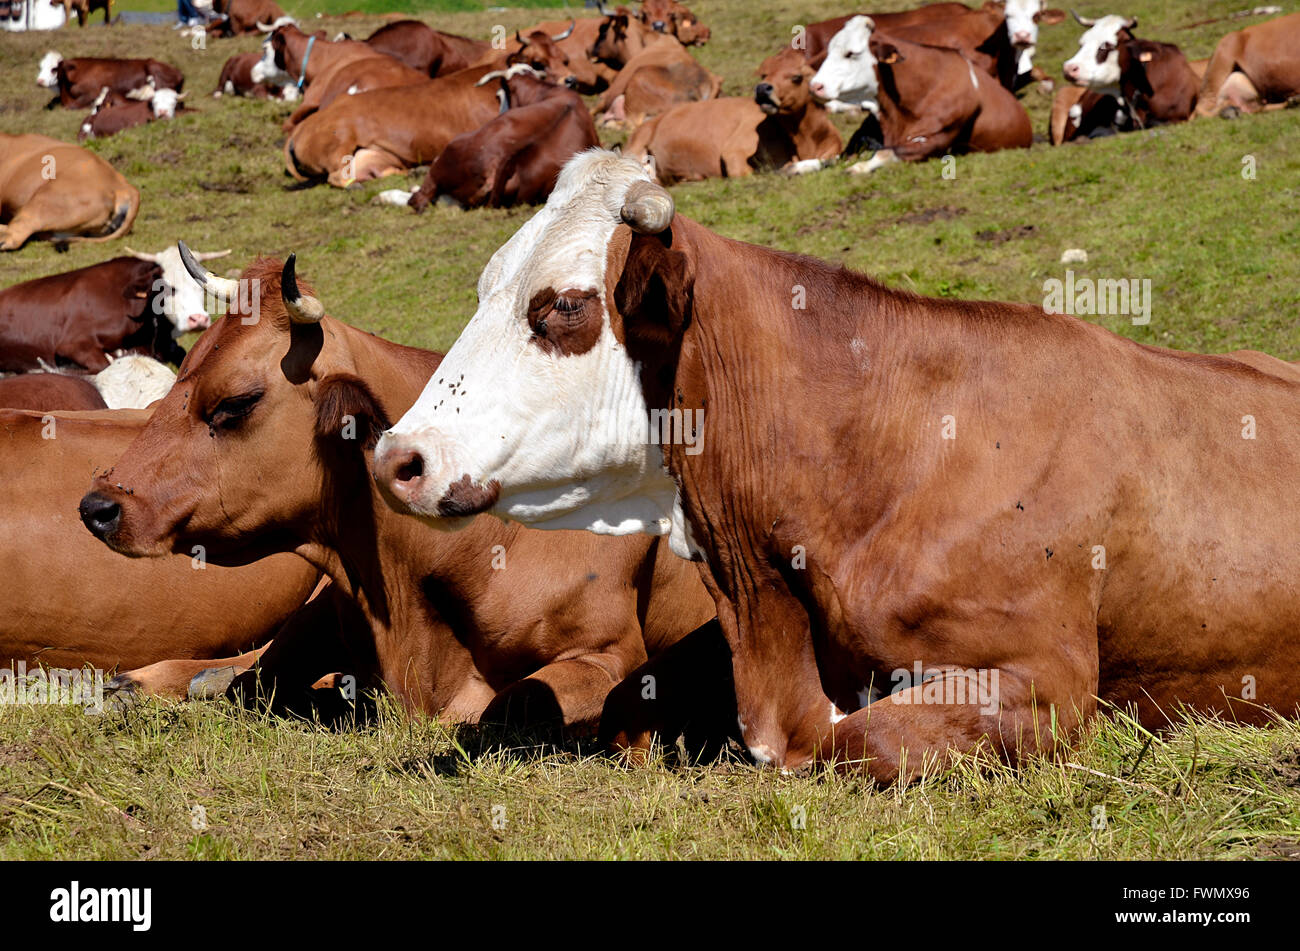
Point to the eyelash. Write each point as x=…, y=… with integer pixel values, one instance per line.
x=232, y=410
x=567, y=306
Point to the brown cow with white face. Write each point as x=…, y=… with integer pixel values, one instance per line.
x=464, y=625
x=929, y=525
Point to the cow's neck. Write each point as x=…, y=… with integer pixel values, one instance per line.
x=809, y=126
x=416, y=586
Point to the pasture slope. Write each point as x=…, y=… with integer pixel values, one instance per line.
x=1169, y=205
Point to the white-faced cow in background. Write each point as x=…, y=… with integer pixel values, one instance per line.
x=183, y=300
x=1023, y=20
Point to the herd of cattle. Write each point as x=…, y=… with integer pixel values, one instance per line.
x=307, y=505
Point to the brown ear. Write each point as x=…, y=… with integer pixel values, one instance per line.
x=1050, y=17
x=348, y=414
x=654, y=292
x=888, y=54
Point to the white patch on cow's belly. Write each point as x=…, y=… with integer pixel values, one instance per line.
x=1076, y=113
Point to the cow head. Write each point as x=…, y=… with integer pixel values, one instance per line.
x=669, y=16
x=1024, y=18
x=543, y=54
x=783, y=83
x=282, y=54
x=47, y=74
x=621, y=37
x=538, y=412
x=163, y=103
x=1097, y=64
x=266, y=392
x=180, y=297
x=851, y=71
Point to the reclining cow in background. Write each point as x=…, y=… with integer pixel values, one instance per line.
x=54, y=191
x=927, y=101
x=80, y=81
x=114, y=112
x=781, y=126
x=423, y=48
x=1133, y=83
x=515, y=158
x=655, y=72
x=69, y=601
x=671, y=17
x=388, y=131
x=128, y=382
x=237, y=80
x=139, y=303
x=241, y=17
x=1254, y=69
x=1056, y=519
x=496, y=622
x=84, y=8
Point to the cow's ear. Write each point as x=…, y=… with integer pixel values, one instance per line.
x=348, y=414
x=888, y=54
x=1049, y=17
x=655, y=290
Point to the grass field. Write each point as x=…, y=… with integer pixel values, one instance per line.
x=1170, y=205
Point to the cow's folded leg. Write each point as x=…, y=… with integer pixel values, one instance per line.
x=902, y=735
x=569, y=693
x=881, y=158
x=172, y=678
x=56, y=211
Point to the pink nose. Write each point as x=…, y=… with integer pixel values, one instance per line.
x=198, y=322
x=1071, y=70
x=818, y=89
x=1022, y=38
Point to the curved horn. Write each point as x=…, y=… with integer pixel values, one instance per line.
x=1083, y=21
x=141, y=256
x=222, y=288
x=302, y=310
x=647, y=208
x=266, y=29
x=209, y=255
x=1131, y=23
x=573, y=25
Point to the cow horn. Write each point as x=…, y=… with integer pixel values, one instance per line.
x=647, y=208
x=141, y=256
x=302, y=310
x=266, y=29
x=209, y=255
x=1131, y=23
x=1083, y=21
x=573, y=25
x=222, y=288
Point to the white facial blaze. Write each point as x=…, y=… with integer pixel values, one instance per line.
x=163, y=104
x=47, y=72
x=265, y=70
x=848, y=73
x=1100, y=42
x=564, y=436
x=1022, y=22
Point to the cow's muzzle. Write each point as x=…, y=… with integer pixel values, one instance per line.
x=100, y=514
x=412, y=485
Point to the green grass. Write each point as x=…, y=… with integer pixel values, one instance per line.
x=1169, y=205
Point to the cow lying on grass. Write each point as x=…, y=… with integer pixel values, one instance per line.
x=927, y=101
x=69, y=601
x=1254, y=69
x=496, y=622
x=59, y=192
x=929, y=525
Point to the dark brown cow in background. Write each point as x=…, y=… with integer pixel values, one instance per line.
x=515, y=158
x=431, y=51
x=241, y=17
x=669, y=16
x=237, y=80
x=81, y=80
x=81, y=316
x=84, y=8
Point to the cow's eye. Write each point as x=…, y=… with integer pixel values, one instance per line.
x=567, y=305
x=796, y=79
x=232, y=410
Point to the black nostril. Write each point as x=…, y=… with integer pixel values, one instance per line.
x=570, y=82
x=99, y=514
x=659, y=26
x=410, y=469
x=765, y=89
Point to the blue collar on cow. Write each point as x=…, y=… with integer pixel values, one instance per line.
x=302, y=73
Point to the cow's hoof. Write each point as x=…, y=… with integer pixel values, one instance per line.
x=211, y=684
x=120, y=692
